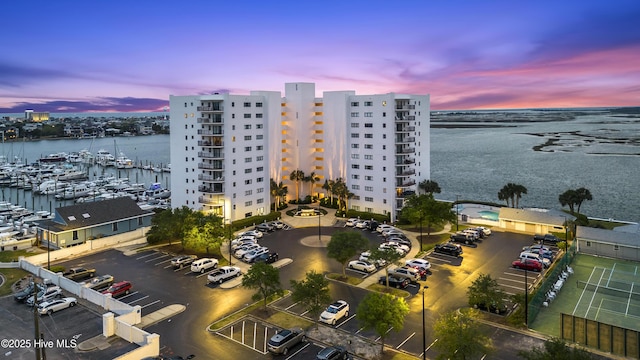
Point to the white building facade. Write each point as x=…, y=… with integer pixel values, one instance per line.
x=226, y=148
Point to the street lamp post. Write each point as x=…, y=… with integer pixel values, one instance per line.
x=526, y=297
x=457, y=211
x=424, y=343
x=319, y=213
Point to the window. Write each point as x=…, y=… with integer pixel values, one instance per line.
x=258, y=126
x=260, y=190
x=260, y=179
x=368, y=167
x=368, y=157
x=247, y=182
x=368, y=103
x=247, y=137
x=355, y=135
x=368, y=114
x=368, y=146
x=247, y=127
x=368, y=136
x=247, y=160
x=75, y=234
x=353, y=103
x=248, y=171
x=355, y=187
x=247, y=148
x=384, y=136
x=259, y=158
x=355, y=176
x=247, y=104
x=114, y=226
x=247, y=116
x=259, y=137
x=140, y=222
x=355, y=146
x=368, y=125
x=260, y=201
x=368, y=188
x=258, y=104
x=248, y=192
x=355, y=166
x=260, y=168
x=355, y=114
x=355, y=156
x=248, y=203
x=368, y=177
x=368, y=199
x=355, y=125
x=588, y=243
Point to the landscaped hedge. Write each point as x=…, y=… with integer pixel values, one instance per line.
x=381, y=218
x=255, y=220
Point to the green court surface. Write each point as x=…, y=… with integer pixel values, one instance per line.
x=616, y=300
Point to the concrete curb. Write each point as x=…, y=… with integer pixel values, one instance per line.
x=160, y=315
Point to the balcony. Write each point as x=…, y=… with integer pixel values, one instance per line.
x=407, y=172
x=402, y=184
x=211, y=178
x=212, y=108
x=209, y=143
x=405, y=107
x=207, y=201
x=402, y=128
x=211, y=189
x=403, y=193
x=211, y=155
x=213, y=120
x=405, y=139
x=207, y=166
x=405, y=150
x=216, y=132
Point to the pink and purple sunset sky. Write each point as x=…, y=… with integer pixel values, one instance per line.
x=77, y=56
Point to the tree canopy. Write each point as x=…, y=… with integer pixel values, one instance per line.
x=512, y=192
x=312, y=292
x=265, y=279
x=460, y=336
x=485, y=293
x=344, y=245
x=389, y=255
x=382, y=313
x=556, y=349
x=575, y=198
x=424, y=209
x=429, y=187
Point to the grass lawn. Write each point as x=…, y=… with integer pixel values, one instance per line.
x=11, y=256
x=10, y=277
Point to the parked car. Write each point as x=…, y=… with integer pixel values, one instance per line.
x=535, y=256
x=448, y=249
x=421, y=271
x=265, y=227
x=400, y=240
x=222, y=274
x=238, y=243
x=179, y=262
x=51, y=306
x=485, y=230
x=277, y=224
x=461, y=238
x=335, y=312
x=333, y=353
x=474, y=233
x=47, y=294
x=546, y=238
x=383, y=227
x=362, y=266
x=268, y=258
x=99, y=282
x=362, y=224
x=541, y=250
x=351, y=222
x=531, y=265
x=421, y=263
x=365, y=257
x=239, y=252
x=253, y=254
x=394, y=281
x=27, y=291
x=408, y=273
x=252, y=233
x=283, y=340
x=393, y=232
x=204, y=264
x=403, y=249
x=373, y=225
x=119, y=288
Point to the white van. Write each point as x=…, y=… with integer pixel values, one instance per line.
x=525, y=255
x=202, y=265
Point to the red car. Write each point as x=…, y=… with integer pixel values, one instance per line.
x=117, y=289
x=530, y=265
x=421, y=271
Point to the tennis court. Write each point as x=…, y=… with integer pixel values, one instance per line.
x=611, y=295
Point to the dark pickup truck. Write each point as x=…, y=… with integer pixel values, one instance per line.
x=546, y=238
x=79, y=273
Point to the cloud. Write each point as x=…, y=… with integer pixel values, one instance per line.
x=12, y=75
x=101, y=104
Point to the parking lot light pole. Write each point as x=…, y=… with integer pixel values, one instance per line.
x=526, y=297
x=319, y=214
x=424, y=343
x=457, y=211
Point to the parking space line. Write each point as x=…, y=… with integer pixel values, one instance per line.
x=144, y=256
x=362, y=328
x=405, y=340
x=203, y=274
x=294, y=354
x=149, y=304
x=142, y=298
x=389, y=329
x=162, y=262
x=510, y=286
x=188, y=272
x=344, y=322
x=154, y=259
x=512, y=280
x=126, y=296
x=428, y=347
x=290, y=306
x=304, y=313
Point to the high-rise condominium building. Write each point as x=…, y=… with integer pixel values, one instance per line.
x=225, y=148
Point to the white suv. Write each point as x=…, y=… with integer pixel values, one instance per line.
x=203, y=265
x=335, y=312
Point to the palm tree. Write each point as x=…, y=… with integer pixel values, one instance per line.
x=297, y=175
x=278, y=190
x=341, y=191
x=568, y=198
x=273, y=191
x=504, y=195
x=429, y=187
x=512, y=191
x=312, y=178
x=518, y=191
